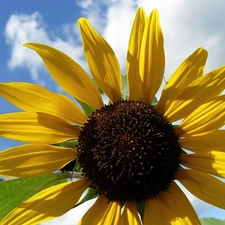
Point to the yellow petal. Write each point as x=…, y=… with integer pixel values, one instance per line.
x=69, y=75
x=111, y=215
x=191, y=69
x=152, y=58
x=213, y=141
x=102, y=61
x=34, y=98
x=47, y=204
x=181, y=200
x=34, y=160
x=130, y=215
x=36, y=127
x=133, y=54
x=199, y=91
x=204, y=186
x=165, y=205
x=152, y=212
x=207, y=118
x=96, y=212
x=212, y=162
x=175, y=215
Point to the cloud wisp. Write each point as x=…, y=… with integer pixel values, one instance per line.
x=32, y=28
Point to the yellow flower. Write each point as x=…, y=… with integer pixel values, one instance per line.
x=129, y=150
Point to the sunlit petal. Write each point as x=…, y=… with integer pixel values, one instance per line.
x=34, y=98
x=165, y=204
x=69, y=75
x=212, y=162
x=199, y=91
x=203, y=186
x=111, y=215
x=187, y=210
x=152, y=58
x=189, y=70
x=47, y=204
x=130, y=215
x=173, y=214
x=213, y=141
x=207, y=118
x=133, y=54
x=34, y=159
x=36, y=127
x=102, y=61
x=96, y=212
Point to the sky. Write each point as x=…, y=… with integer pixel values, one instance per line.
x=186, y=24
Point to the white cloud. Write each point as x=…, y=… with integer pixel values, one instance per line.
x=32, y=28
x=184, y=28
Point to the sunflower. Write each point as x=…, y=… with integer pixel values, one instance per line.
x=131, y=151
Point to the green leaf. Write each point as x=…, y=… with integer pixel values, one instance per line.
x=212, y=221
x=91, y=193
x=14, y=192
x=125, y=88
x=88, y=110
x=78, y=167
x=154, y=101
x=70, y=144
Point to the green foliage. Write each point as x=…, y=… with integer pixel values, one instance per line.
x=69, y=144
x=88, y=110
x=78, y=168
x=16, y=191
x=212, y=221
x=154, y=101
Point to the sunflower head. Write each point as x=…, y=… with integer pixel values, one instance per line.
x=129, y=152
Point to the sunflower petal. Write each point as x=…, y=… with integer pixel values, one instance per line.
x=207, y=118
x=36, y=127
x=180, y=198
x=152, y=212
x=173, y=214
x=165, y=205
x=111, y=215
x=191, y=69
x=32, y=97
x=96, y=212
x=69, y=75
x=47, y=204
x=203, y=186
x=34, y=160
x=212, y=162
x=213, y=141
x=102, y=61
x=152, y=58
x=133, y=54
x=130, y=215
x=199, y=91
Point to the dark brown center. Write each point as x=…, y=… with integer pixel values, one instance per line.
x=129, y=151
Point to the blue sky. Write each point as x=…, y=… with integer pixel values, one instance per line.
x=186, y=24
